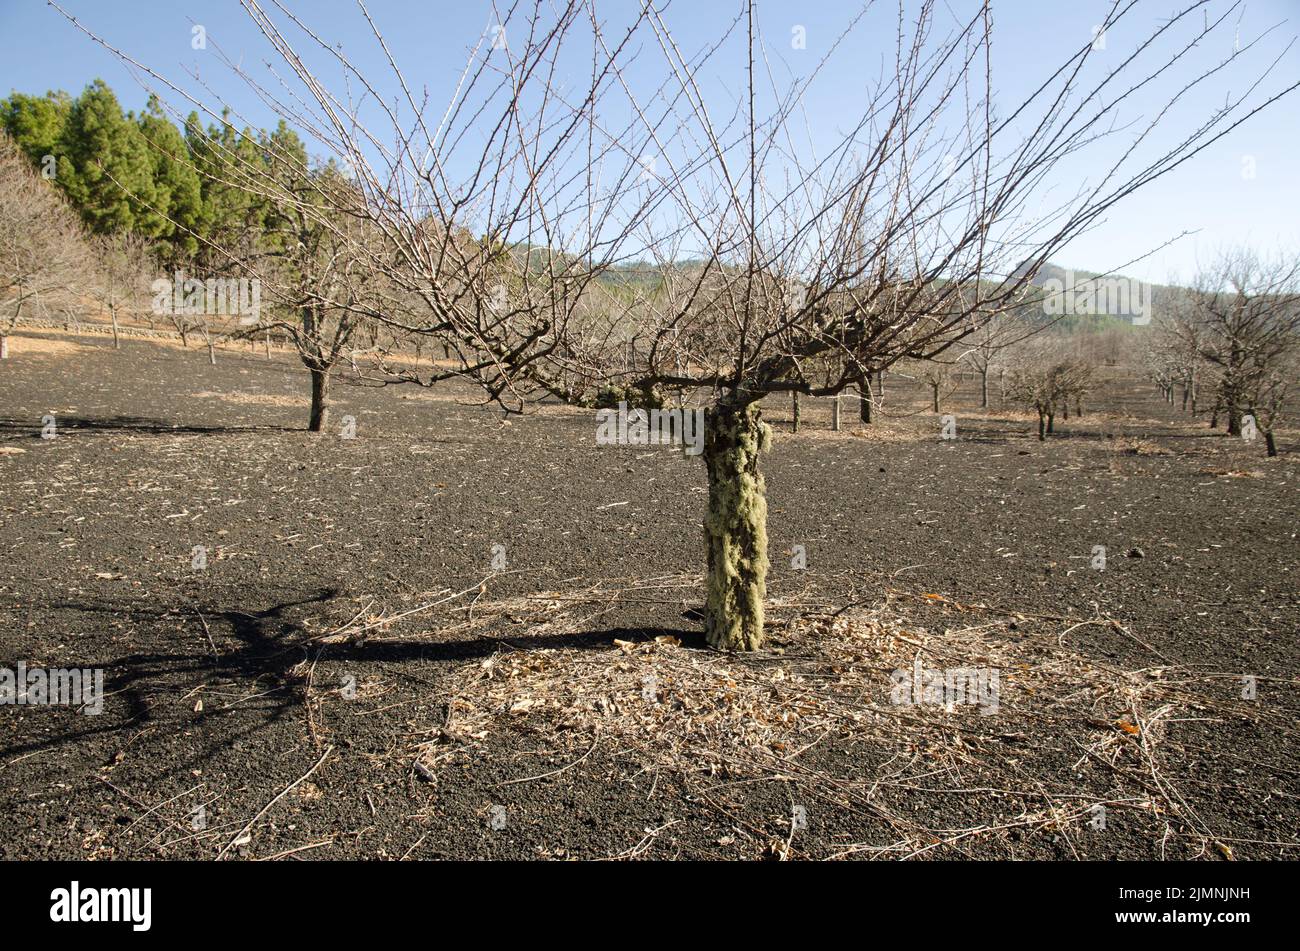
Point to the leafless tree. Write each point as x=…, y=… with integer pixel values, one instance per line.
x=120, y=279
x=896, y=241
x=769, y=253
x=43, y=252
x=1272, y=392
x=941, y=377
x=1174, y=345
x=985, y=344
x=1046, y=377
x=1242, y=314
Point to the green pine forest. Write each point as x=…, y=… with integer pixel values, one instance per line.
x=134, y=172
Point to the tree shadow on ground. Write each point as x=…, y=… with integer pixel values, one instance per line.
x=271, y=656
x=132, y=424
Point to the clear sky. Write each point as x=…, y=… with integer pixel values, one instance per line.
x=1243, y=189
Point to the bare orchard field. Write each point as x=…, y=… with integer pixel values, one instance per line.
x=351, y=675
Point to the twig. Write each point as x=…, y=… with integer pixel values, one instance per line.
x=265, y=809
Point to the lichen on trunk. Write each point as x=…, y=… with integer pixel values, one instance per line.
x=735, y=526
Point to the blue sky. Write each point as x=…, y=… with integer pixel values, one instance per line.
x=1243, y=189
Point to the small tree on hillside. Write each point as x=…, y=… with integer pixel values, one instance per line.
x=42, y=249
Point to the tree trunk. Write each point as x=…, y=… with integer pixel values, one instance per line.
x=984, y=388
x=795, y=410
x=268, y=345
x=4, y=346
x=735, y=527
x=320, y=400
x=1234, y=421
x=935, y=388
x=1065, y=409
x=1051, y=422
x=835, y=413
x=117, y=343
x=1041, y=426
x=1269, y=443
x=864, y=398
x=212, y=352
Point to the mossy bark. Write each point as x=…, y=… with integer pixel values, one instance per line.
x=735, y=527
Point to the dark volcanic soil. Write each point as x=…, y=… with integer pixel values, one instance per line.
x=157, y=452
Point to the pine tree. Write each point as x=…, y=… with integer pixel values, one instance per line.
x=176, y=183
x=36, y=123
x=108, y=170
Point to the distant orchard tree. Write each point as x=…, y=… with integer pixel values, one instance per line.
x=1243, y=316
x=1047, y=378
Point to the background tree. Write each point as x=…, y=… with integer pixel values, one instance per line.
x=122, y=270
x=106, y=167
x=985, y=344
x=1272, y=393
x=36, y=124
x=940, y=377
x=178, y=193
x=1046, y=378
x=320, y=270
x=1246, y=311
x=42, y=250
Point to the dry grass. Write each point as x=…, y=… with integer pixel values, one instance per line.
x=1134, y=446
x=662, y=706
x=254, y=399
x=22, y=346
